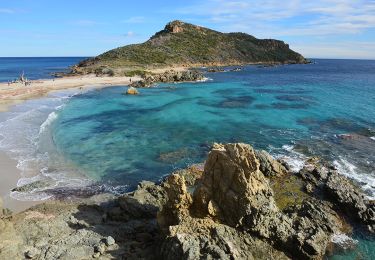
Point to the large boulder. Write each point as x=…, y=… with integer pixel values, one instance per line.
x=233, y=188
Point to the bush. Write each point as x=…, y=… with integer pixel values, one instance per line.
x=133, y=73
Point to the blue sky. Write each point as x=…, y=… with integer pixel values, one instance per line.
x=319, y=29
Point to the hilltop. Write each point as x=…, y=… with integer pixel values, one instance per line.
x=188, y=45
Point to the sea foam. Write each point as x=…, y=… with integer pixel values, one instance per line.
x=51, y=117
x=366, y=181
x=24, y=137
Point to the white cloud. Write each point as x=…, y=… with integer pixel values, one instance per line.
x=129, y=34
x=320, y=17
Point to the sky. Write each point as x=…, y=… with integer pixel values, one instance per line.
x=316, y=29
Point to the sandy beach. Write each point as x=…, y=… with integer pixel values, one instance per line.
x=17, y=92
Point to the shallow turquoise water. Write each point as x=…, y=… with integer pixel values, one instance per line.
x=124, y=139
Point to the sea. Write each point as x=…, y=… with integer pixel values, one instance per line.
x=84, y=142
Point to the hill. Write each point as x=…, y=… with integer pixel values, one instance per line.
x=188, y=45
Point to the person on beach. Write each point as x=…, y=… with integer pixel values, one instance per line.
x=130, y=80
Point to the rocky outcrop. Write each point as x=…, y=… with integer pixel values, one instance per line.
x=168, y=76
x=234, y=193
x=342, y=192
x=233, y=188
x=132, y=91
x=175, y=27
x=227, y=209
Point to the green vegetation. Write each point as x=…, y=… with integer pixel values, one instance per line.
x=133, y=73
x=289, y=191
x=186, y=44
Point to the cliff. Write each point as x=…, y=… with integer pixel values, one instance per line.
x=184, y=44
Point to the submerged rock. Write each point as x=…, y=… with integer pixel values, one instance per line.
x=31, y=186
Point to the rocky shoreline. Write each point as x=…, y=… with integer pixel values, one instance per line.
x=148, y=80
x=242, y=204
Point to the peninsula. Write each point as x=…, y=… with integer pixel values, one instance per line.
x=182, y=44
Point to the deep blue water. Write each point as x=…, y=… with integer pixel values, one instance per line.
x=34, y=68
x=74, y=139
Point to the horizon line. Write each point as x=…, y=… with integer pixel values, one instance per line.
x=74, y=56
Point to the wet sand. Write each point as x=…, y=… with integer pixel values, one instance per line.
x=9, y=176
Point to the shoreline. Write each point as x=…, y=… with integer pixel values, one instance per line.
x=8, y=181
x=16, y=93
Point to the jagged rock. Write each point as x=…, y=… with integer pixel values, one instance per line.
x=348, y=197
x=143, y=202
x=218, y=242
x=233, y=184
x=109, y=241
x=175, y=27
x=339, y=190
x=191, y=174
x=179, y=201
x=314, y=171
x=269, y=166
x=233, y=191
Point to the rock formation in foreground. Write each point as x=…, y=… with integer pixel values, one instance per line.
x=244, y=204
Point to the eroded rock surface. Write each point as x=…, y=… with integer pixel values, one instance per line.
x=341, y=191
x=228, y=209
x=234, y=193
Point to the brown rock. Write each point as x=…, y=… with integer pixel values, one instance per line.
x=233, y=183
x=132, y=91
x=179, y=201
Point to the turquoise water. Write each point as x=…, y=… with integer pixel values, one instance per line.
x=102, y=140
x=122, y=139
